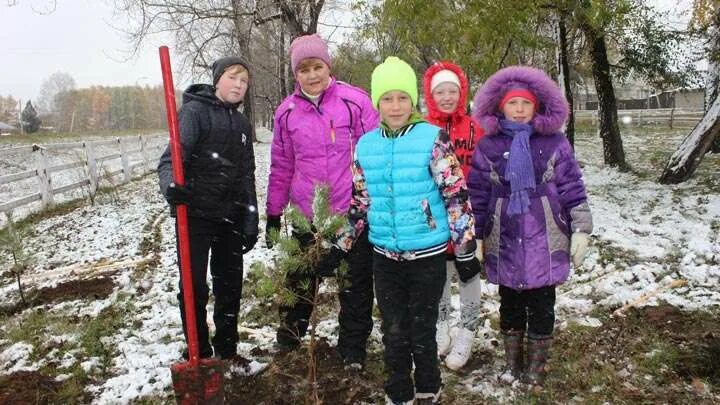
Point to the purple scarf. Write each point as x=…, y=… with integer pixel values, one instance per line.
x=519, y=171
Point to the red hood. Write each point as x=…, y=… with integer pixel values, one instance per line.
x=435, y=116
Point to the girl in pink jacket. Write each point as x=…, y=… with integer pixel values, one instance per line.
x=315, y=132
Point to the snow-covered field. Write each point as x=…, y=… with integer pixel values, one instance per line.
x=646, y=236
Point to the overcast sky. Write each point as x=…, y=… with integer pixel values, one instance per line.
x=77, y=39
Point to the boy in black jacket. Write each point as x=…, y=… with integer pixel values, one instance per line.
x=219, y=166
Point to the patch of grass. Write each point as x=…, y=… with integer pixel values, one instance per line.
x=612, y=254
x=33, y=327
x=154, y=400
x=660, y=358
x=72, y=390
x=51, y=137
x=105, y=324
x=57, y=210
x=29, y=328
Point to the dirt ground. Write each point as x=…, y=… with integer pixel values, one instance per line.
x=27, y=387
x=95, y=289
x=654, y=355
x=284, y=381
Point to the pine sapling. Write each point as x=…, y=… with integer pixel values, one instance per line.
x=12, y=242
x=294, y=262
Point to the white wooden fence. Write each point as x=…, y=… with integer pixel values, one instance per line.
x=671, y=117
x=113, y=160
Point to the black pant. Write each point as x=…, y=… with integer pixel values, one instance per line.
x=531, y=309
x=408, y=294
x=226, y=269
x=356, y=301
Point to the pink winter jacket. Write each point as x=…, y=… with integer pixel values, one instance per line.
x=315, y=145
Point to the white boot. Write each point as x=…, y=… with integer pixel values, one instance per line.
x=444, y=341
x=461, y=349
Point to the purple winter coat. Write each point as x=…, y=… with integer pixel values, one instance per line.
x=530, y=250
x=305, y=152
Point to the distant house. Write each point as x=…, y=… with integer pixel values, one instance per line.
x=635, y=94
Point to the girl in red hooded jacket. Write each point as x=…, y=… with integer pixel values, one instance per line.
x=446, y=87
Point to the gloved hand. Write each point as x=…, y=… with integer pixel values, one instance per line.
x=479, y=252
x=329, y=261
x=249, y=242
x=578, y=247
x=272, y=224
x=468, y=269
x=176, y=194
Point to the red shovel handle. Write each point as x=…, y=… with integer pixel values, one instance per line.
x=181, y=209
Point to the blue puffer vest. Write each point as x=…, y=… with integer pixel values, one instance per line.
x=407, y=211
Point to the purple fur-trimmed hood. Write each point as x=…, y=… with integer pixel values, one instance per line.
x=551, y=113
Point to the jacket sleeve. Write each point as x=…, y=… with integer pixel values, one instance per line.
x=369, y=117
x=571, y=188
x=282, y=166
x=248, y=198
x=480, y=187
x=447, y=173
x=357, y=213
x=190, y=132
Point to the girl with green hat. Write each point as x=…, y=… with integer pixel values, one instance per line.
x=409, y=188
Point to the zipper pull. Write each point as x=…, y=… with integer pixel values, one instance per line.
x=332, y=131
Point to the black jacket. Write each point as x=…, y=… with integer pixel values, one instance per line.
x=218, y=160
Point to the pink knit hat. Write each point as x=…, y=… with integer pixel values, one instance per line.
x=308, y=46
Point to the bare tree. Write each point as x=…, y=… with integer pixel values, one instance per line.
x=614, y=154
x=57, y=83
x=204, y=30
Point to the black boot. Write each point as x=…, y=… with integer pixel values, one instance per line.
x=513, y=342
x=538, y=349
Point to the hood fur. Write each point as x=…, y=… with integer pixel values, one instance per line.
x=434, y=114
x=552, y=110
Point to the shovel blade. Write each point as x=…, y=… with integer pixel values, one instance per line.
x=199, y=384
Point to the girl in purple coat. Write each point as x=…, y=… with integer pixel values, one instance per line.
x=315, y=132
x=530, y=207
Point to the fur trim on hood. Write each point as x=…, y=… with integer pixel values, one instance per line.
x=550, y=114
x=434, y=114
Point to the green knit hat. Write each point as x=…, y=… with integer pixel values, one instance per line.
x=393, y=74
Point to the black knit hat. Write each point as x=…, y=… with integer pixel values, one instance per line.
x=219, y=66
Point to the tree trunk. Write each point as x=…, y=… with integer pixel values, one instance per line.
x=687, y=157
x=706, y=134
x=713, y=83
x=613, y=151
x=564, y=75
x=715, y=147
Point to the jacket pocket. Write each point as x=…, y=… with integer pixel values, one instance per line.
x=557, y=229
x=491, y=243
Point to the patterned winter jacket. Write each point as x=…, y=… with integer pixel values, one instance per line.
x=314, y=145
x=530, y=250
x=463, y=130
x=400, y=180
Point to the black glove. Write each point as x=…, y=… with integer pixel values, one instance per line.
x=176, y=194
x=272, y=224
x=329, y=261
x=248, y=242
x=468, y=269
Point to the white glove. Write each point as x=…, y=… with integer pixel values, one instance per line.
x=578, y=247
x=479, y=251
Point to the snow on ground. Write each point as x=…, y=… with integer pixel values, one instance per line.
x=17, y=158
x=646, y=235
